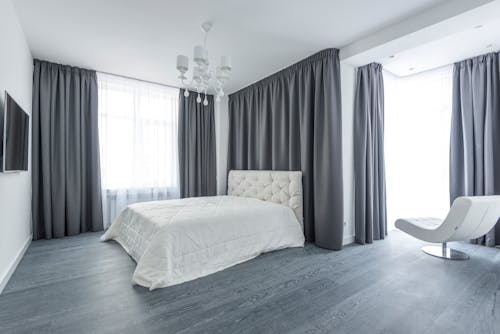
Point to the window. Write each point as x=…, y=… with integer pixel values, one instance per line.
x=417, y=144
x=138, y=142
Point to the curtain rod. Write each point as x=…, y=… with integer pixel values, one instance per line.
x=142, y=80
x=147, y=81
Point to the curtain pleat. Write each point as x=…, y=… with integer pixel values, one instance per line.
x=369, y=166
x=475, y=132
x=197, y=164
x=292, y=121
x=66, y=196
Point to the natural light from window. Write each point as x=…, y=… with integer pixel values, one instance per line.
x=417, y=139
x=138, y=142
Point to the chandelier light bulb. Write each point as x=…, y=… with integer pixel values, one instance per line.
x=186, y=93
x=198, y=99
x=225, y=63
x=199, y=54
x=182, y=63
x=205, y=101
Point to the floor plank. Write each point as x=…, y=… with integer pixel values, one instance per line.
x=81, y=285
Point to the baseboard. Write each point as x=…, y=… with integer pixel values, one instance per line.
x=4, y=280
x=348, y=240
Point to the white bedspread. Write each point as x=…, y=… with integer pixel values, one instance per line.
x=176, y=241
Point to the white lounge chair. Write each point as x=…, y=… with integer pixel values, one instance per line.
x=469, y=218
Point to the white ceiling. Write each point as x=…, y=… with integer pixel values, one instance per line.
x=142, y=38
x=447, y=33
x=473, y=40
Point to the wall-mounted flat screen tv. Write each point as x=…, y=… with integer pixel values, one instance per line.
x=14, y=136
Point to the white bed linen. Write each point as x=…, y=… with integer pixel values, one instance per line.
x=176, y=241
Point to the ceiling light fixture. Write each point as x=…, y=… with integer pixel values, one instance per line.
x=479, y=26
x=204, y=77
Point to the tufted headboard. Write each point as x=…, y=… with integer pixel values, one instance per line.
x=280, y=187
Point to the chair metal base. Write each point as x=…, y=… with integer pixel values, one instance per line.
x=445, y=252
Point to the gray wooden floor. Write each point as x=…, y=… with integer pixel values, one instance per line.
x=81, y=285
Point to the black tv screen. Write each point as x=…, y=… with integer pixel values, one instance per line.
x=14, y=129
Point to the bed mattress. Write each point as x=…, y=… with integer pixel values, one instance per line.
x=176, y=241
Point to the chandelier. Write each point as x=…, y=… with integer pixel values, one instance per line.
x=204, y=76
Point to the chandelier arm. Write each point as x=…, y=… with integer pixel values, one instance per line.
x=204, y=75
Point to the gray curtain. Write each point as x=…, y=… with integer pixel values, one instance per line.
x=369, y=167
x=197, y=164
x=66, y=194
x=292, y=121
x=475, y=132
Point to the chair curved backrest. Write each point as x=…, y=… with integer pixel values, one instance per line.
x=471, y=217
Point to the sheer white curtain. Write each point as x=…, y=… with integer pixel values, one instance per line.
x=138, y=142
x=417, y=144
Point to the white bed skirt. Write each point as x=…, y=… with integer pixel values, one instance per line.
x=176, y=241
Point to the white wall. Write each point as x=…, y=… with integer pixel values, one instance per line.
x=221, y=134
x=16, y=71
x=348, y=81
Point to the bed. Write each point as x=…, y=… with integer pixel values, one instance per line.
x=175, y=241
